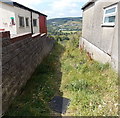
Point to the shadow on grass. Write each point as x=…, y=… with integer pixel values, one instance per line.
x=41, y=88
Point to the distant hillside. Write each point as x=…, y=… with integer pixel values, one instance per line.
x=65, y=24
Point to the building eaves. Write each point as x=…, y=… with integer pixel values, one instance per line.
x=27, y=8
x=88, y=4
x=9, y=2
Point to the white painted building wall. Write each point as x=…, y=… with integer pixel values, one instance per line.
x=36, y=29
x=19, y=12
x=6, y=12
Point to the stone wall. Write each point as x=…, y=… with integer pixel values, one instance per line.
x=20, y=57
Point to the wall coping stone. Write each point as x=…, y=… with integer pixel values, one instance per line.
x=6, y=35
x=21, y=37
x=35, y=35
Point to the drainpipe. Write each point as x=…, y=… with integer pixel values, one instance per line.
x=31, y=23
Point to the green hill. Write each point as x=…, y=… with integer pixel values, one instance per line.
x=65, y=24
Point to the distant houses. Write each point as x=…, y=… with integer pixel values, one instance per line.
x=19, y=19
x=100, y=30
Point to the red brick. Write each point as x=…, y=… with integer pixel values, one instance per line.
x=21, y=37
x=5, y=34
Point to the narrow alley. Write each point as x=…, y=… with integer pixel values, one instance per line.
x=69, y=72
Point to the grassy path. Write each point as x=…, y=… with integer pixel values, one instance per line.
x=68, y=72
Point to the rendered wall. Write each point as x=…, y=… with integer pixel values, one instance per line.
x=20, y=57
x=36, y=28
x=23, y=13
x=104, y=38
x=115, y=43
x=6, y=12
x=119, y=40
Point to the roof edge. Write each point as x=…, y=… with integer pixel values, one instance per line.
x=9, y=2
x=12, y=3
x=27, y=8
x=88, y=4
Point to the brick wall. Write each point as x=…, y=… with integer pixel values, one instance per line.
x=20, y=57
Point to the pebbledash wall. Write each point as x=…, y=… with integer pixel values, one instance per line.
x=20, y=57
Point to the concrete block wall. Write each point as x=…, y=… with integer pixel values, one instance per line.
x=20, y=57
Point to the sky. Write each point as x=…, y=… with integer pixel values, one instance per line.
x=56, y=8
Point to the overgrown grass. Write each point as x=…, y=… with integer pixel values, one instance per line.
x=92, y=87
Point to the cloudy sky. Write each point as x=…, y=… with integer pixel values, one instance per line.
x=56, y=8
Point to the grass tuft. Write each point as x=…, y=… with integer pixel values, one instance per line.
x=77, y=85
